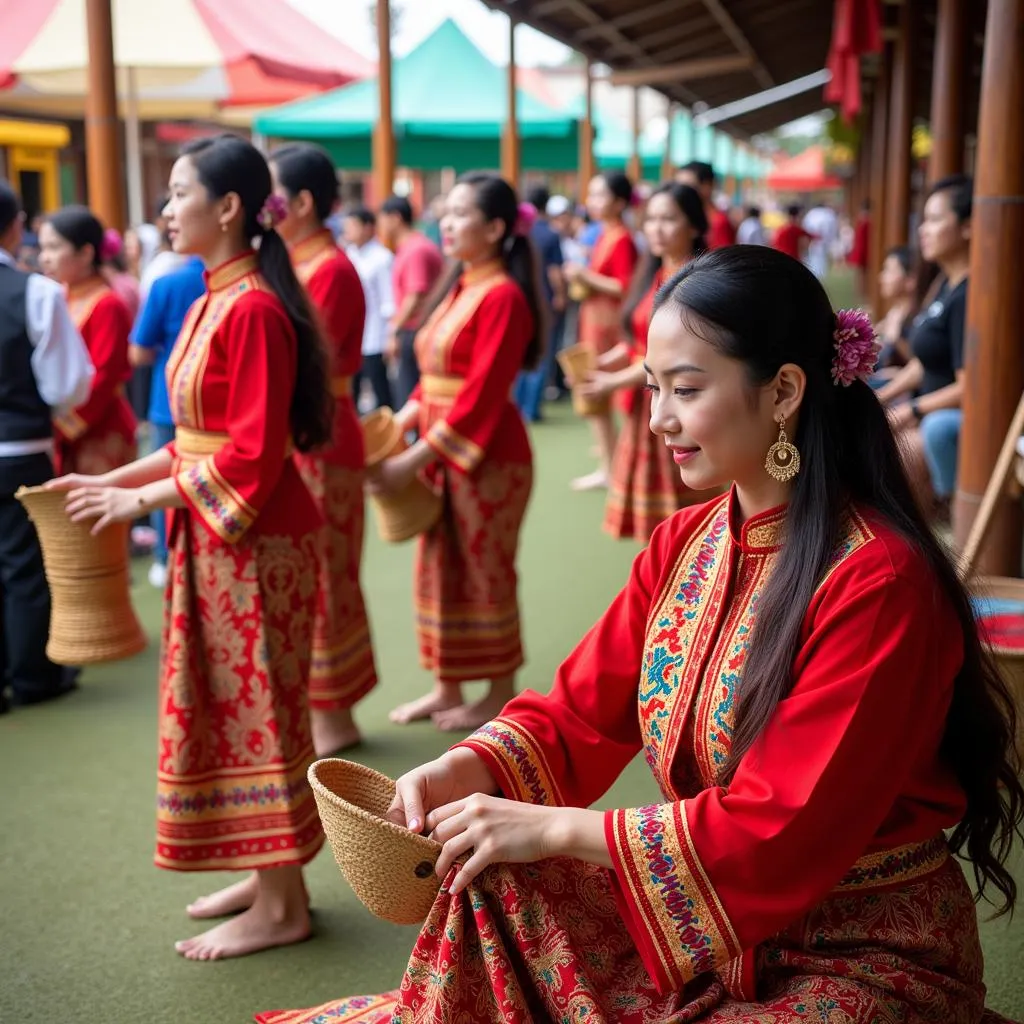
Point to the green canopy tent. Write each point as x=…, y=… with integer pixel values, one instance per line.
x=450, y=107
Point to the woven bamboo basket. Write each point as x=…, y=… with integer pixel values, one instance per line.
x=1009, y=661
x=92, y=619
x=390, y=869
x=415, y=508
x=577, y=363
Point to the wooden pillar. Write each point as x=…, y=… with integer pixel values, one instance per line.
x=994, y=342
x=586, y=161
x=877, y=184
x=510, y=148
x=666, y=159
x=635, y=169
x=384, y=131
x=897, y=193
x=948, y=90
x=104, y=166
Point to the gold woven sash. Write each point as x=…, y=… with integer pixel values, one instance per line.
x=438, y=388
x=193, y=445
x=896, y=866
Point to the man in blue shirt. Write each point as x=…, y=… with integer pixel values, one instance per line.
x=530, y=384
x=155, y=333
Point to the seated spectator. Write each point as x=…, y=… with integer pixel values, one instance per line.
x=897, y=283
x=929, y=423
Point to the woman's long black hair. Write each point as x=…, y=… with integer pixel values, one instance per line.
x=691, y=206
x=765, y=309
x=496, y=199
x=303, y=167
x=228, y=164
x=81, y=227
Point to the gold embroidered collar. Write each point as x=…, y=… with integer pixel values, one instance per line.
x=481, y=272
x=313, y=246
x=232, y=271
x=761, y=534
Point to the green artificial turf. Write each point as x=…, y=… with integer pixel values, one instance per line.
x=87, y=924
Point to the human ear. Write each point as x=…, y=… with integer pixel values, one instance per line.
x=789, y=387
x=495, y=231
x=230, y=208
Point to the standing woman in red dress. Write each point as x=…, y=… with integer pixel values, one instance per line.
x=474, y=450
x=247, y=381
x=99, y=435
x=606, y=282
x=343, y=669
x=646, y=487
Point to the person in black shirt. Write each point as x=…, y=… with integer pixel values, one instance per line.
x=924, y=397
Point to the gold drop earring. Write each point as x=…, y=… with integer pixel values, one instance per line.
x=783, y=460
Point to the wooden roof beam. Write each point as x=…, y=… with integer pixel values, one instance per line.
x=725, y=20
x=686, y=71
x=636, y=17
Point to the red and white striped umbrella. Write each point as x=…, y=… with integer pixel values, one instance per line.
x=186, y=58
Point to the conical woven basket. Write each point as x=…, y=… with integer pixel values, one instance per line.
x=390, y=869
x=92, y=619
x=415, y=508
x=577, y=362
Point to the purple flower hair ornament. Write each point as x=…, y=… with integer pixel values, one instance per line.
x=856, y=347
x=273, y=211
x=527, y=216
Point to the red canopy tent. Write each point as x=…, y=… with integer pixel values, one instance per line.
x=804, y=172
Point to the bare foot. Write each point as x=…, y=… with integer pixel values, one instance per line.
x=595, y=481
x=468, y=717
x=227, y=901
x=224, y=902
x=257, y=929
x=427, y=705
x=333, y=731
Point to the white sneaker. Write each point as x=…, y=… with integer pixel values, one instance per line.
x=158, y=575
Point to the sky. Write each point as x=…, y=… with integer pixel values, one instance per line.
x=349, y=21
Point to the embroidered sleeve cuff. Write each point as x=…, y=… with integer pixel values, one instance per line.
x=667, y=901
x=223, y=509
x=71, y=425
x=453, y=447
x=517, y=761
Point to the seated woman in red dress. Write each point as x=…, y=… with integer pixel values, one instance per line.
x=98, y=435
x=475, y=452
x=646, y=487
x=800, y=665
x=343, y=669
x=247, y=382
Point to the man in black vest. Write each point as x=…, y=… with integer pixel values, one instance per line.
x=44, y=369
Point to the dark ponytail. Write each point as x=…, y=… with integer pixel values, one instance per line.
x=691, y=206
x=765, y=309
x=496, y=200
x=228, y=164
x=81, y=227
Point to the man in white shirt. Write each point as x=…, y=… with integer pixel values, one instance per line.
x=821, y=222
x=751, y=230
x=373, y=262
x=44, y=370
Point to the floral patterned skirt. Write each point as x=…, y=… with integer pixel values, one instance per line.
x=234, y=739
x=545, y=942
x=467, y=606
x=645, y=487
x=343, y=669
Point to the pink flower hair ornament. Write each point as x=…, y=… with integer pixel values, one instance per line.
x=111, y=246
x=273, y=211
x=856, y=347
x=526, y=219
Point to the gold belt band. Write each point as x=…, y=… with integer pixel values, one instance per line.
x=898, y=865
x=197, y=444
x=437, y=388
x=341, y=387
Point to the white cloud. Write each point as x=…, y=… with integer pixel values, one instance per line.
x=349, y=21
